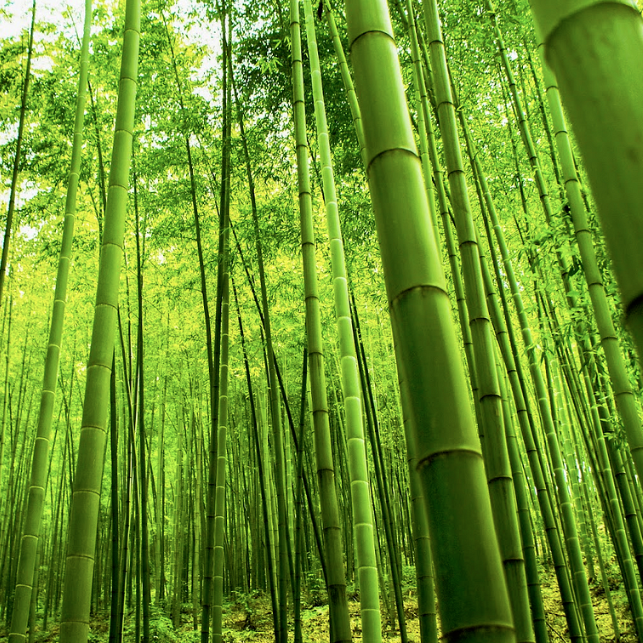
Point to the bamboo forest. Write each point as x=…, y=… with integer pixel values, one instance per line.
x=321, y=321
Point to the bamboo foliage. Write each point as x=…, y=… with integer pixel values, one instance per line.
x=16, y=160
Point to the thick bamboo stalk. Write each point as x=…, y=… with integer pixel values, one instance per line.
x=89, y=471
x=595, y=49
x=492, y=429
x=619, y=378
x=448, y=450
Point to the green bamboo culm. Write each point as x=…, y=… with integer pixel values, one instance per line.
x=423, y=564
x=506, y=341
x=522, y=502
x=504, y=334
x=219, y=512
x=423, y=113
x=357, y=465
x=340, y=628
x=445, y=213
x=223, y=312
x=447, y=446
x=83, y=520
x=424, y=568
x=40, y=462
x=275, y=408
x=491, y=427
x=625, y=401
x=275, y=414
x=595, y=49
x=347, y=81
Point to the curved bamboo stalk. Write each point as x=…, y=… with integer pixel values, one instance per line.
x=144, y=560
x=275, y=409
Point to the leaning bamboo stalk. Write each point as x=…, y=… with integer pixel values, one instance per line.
x=507, y=344
x=448, y=451
x=423, y=564
x=350, y=385
x=595, y=49
x=383, y=495
x=89, y=471
x=339, y=616
x=492, y=429
x=36, y=494
x=621, y=544
x=522, y=503
x=619, y=378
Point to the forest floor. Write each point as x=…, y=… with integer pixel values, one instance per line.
x=249, y=618
x=252, y=620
